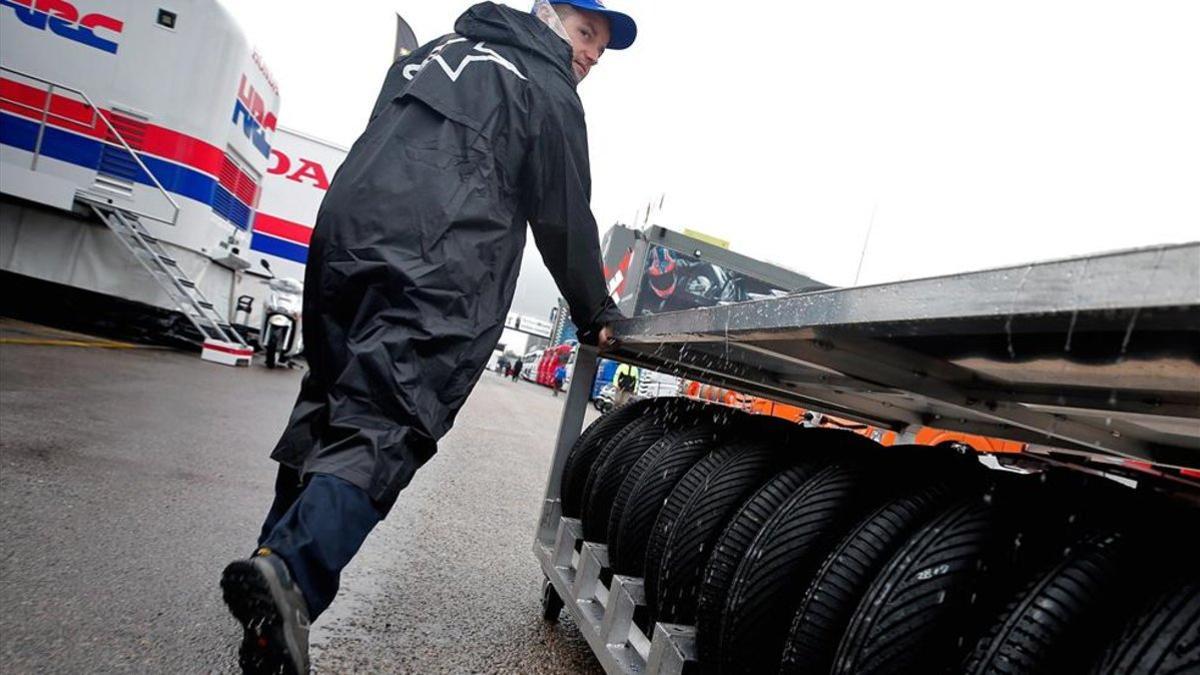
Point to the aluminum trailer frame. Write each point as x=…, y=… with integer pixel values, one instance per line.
x=1092, y=361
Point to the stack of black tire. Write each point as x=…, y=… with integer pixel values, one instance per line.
x=800, y=550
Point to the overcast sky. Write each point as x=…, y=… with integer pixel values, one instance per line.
x=974, y=134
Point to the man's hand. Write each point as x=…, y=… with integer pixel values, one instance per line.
x=606, y=340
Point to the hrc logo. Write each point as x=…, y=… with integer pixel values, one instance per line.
x=256, y=119
x=64, y=20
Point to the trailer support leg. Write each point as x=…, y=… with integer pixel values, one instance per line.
x=569, y=428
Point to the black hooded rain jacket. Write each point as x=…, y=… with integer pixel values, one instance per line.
x=417, y=245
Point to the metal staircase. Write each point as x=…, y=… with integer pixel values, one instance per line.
x=222, y=343
x=183, y=292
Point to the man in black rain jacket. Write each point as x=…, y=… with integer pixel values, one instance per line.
x=411, y=271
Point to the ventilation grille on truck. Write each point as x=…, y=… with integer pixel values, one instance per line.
x=118, y=170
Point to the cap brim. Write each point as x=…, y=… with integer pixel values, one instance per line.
x=621, y=27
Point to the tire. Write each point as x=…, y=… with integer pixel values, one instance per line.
x=926, y=482
x=844, y=576
x=1162, y=638
x=272, y=348
x=1047, y=626
x=612, y=465
x=923, y=607
x=700, y=521
x=643, y=492
x=773, y=445
x=668, y=515
x=780, y=563
x=583, y=453
x=731, y=547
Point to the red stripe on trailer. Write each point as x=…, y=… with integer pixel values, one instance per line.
x=76, y=116
x=1190, y=473
x=236, y=351
x=184, y=149
x=282, y=228
x=65, y=113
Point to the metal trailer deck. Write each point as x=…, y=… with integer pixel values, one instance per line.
x=1093, y=361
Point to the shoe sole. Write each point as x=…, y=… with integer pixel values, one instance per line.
x=248, y=595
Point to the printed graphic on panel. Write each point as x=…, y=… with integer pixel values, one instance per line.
x=675, y=281
x=66, y=20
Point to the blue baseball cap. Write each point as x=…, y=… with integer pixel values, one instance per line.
x=622, y=28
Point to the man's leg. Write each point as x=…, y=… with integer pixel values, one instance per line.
x=296, y=571
x=319, y=535
x=287, y=489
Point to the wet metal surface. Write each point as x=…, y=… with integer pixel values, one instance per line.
x=128, y=478
x=1099, y=354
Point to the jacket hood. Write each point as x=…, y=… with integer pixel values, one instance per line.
x=498, y=24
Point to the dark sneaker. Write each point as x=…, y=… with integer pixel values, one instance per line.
x=261, y=595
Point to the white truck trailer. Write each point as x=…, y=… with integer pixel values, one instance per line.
x=143, y=168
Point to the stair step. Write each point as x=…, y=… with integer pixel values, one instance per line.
x=167, y=272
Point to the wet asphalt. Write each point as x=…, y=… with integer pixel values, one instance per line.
x=130, y=477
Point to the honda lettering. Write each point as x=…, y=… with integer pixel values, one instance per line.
x=306, y=170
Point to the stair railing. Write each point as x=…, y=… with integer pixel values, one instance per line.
x=96, y=112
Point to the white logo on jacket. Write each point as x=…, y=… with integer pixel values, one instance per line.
x=411, y=70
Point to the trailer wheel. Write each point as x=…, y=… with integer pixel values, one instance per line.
x=611, y=466
x=552, y=603
x=922, y=608
x=1046, y=627
x=731, y=547
x=1163, y=638
x=587, y=446
x=780, y=562
x=847, y=572
x=643, y=492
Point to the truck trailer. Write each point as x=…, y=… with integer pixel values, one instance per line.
x=146, y=175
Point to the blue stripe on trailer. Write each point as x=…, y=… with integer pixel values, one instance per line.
x=86, y=152
x=265, y=243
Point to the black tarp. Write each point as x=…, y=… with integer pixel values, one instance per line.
x=417, y=245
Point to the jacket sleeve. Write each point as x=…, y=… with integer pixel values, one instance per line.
x=558, y=184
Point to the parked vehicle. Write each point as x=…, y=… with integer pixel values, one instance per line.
x=551, y=359
x=529, y=365
x=603, y=400
x=193, y=184
x=280, y=336
x=604, y=375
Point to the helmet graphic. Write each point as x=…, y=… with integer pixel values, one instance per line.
x=661, y=272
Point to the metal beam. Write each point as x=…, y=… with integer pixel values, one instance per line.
x=1144, y=279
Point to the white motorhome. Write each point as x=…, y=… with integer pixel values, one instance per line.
x=142, y=160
